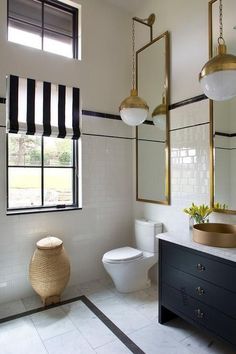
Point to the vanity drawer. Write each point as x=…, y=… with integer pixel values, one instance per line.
x=196, y=311
x=210, y=294
x=198, y=264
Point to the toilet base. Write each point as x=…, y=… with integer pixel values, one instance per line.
x=130, y=276
x=133, y=287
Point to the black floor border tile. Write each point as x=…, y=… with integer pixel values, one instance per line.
x=99, y=314
x=117, y=332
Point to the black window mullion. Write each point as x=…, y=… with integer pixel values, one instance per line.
x=75, y=34
x=75, y=172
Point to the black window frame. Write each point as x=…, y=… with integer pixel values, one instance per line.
x=58, y=5
x=46, y=208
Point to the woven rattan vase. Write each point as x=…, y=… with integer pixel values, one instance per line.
x=49, y=270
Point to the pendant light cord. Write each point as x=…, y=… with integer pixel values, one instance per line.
x=133, y=58
x=221, y=38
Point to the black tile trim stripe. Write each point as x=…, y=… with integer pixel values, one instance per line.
x=108, y=136
x=118, y=333
x=189, y=126
x=227, y=135
x=107, y=322
x=153, y=141
x=101, y=115
x=2, y=100
x=187, y=101
x=222, y=148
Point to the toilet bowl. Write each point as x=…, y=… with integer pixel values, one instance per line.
x=128, y=266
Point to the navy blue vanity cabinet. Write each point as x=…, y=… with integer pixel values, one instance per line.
x=198, y=287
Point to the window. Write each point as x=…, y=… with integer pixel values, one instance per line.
x=42, y=173
x=49, y=25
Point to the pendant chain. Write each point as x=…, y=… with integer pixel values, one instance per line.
x=133, y=48
x=221, y=19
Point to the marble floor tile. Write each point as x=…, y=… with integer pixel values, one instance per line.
x=74, y=329
x=178, y=329
x=202, y=343
x=68, y=343
x=19, y=337
x=125, y=317
x=51, y=323
x=152, y=340
x=115, y=347
x=95, y=332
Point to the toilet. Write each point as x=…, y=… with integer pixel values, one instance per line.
x=128, y=266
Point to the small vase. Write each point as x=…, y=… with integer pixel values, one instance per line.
x=191, y=223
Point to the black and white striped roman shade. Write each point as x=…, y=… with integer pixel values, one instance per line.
x=42, y=108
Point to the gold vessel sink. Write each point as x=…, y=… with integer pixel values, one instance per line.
x=216, y=235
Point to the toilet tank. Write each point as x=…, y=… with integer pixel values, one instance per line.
x=145, y=232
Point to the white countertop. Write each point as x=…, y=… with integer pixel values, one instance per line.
x=185, y=239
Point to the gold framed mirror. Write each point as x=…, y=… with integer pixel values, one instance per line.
x=222, y=120
x=153, y=141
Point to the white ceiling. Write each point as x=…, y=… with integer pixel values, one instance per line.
x=128, y=5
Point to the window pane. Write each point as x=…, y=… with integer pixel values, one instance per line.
x=24, y=34
x=58, y=20
x=26, y=10
x=58, y=44
x=58, y=186
x=24, y=187
x=24, y=150
x=58, y=152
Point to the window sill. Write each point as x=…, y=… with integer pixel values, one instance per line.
x=40, y=210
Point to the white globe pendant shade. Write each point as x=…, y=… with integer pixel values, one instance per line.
x=133, y=110
x=133, y=116
x=219, y=86
x=160, y=122
x=218, y=76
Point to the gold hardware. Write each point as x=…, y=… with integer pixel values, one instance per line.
x=200, y=267
x=218, y=235
x=200, y=291
x=133, y=101
x=161, y=109
x=199, y=313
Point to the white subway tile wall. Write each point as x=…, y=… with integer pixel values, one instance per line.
x=104, y=223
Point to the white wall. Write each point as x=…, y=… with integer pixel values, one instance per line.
x=105, y=221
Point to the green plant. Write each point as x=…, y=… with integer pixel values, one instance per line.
x=220, y=206
x=199, y=213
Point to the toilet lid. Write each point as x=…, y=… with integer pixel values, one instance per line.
x=122, y=254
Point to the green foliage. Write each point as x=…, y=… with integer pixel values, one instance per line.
x=199, y=213
x=65, y=157
x=220, y=206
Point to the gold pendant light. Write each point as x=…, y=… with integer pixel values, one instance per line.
x=218, y=76
x=134, y=109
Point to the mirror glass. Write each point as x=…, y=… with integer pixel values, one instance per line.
x=224, y=116
x=152, y=141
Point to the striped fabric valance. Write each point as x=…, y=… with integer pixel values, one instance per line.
x=42, y=108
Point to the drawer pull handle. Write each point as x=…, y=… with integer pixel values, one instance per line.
x=200, y=291
x=199, y=313
x=200, y=267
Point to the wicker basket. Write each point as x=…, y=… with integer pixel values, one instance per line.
x=49, y=269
